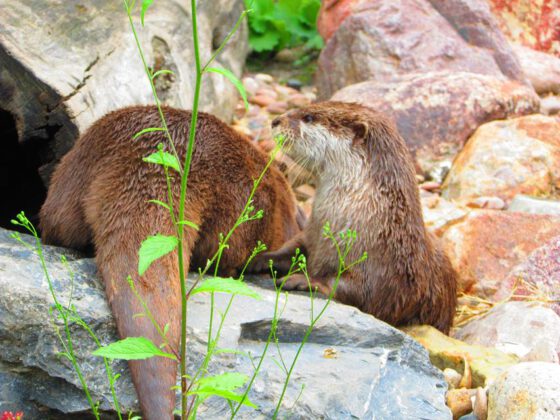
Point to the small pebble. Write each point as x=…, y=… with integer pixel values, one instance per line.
x=480, y=404
x=430, y=186
x=266, y=91
x=459, y=402
x=265, y=78
x=250, y=85
x=299, y=100
x=285, y=91
x=294, y=83
x=267, y=145
x=261, y=100
x=550, y=105
x=452, y=377
x=277, y=107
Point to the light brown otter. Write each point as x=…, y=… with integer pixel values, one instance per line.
x=366, y=181
x=100, y=193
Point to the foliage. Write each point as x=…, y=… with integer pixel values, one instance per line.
x=278, y=24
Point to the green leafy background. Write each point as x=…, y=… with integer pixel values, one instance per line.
x=278, y=24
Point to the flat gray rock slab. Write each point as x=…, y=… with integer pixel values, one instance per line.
x=378, y=372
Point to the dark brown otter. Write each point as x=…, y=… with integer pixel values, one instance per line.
x=100, y=193
x=366, y=181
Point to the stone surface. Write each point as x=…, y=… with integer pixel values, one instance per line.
x=542, y=69
x=486, y=245
x=389, y=373
x=486, y=363
x=528, y=391
x=437, y=112
x=550, y=105
x=539, y=274
x=526, y=329
x=66, y=64
x=379, y=40
x=439, y=214
x=534, y=23
x=506, y=158
x=534, y=205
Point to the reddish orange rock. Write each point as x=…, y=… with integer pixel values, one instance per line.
x=487, y=244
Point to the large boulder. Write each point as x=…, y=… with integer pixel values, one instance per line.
x=528, y=391
x=388, y=373
x=486, y=245
x=529, y=330
x=379, y=40
x=65, y=64
x=437, y=112
x=538, y=275
x=506, y=158
x=533, y=23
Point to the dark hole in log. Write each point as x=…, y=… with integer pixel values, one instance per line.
x=21, y=187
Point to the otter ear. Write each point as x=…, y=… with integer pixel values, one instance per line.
x=360, y=130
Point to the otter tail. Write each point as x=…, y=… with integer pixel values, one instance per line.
x=117, y=258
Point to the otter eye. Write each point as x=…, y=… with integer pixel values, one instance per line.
x=307, y=118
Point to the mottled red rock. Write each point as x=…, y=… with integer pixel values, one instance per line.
x=486, y=245
x=541, y=271
x=380, y=40
x=332, y=14
x=437, y=112
x=534, y=23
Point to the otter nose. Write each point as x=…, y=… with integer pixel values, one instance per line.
x=276, y=122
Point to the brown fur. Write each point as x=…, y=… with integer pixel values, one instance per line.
x=366, y=181
x=99, y=193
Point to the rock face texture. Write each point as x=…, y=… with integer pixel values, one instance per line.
x=63, y=64
x=527, y=329
x=377, y=371
x=528, y=391
x=437, y=112
x=506, y=158
x=378, y=40
x=486, y=245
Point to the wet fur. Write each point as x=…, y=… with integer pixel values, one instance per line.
x=99, y=194
x=366, y=181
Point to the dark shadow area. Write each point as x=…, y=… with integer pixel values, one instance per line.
x=21, y=187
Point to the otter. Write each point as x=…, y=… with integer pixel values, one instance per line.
x=365, y=181
x=99, y=194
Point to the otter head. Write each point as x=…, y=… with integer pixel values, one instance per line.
x=328, y=135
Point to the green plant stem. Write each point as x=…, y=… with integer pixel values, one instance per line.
x=184, y=184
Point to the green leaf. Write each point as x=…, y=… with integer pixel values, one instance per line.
x=160, y=72
x=236, y=82
x=226, y=381
x=163, y=159
x=189, y=224
x=132, y=348
x=225, y=285
x=223, y=386
x=147, y=130
x=145, y=5
x=152, y=248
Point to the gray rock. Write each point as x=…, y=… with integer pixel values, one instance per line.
x=65, y=64
x=527, y=391
x=534, y=205
x=379, y=372
x=526, y=329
